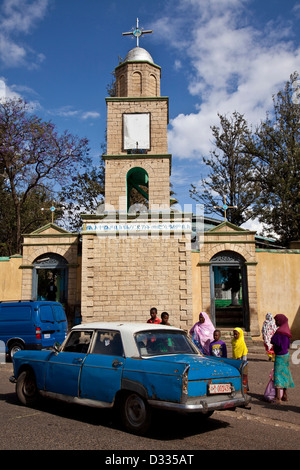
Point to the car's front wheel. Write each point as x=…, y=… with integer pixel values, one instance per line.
x=26, y=388
x=136, y=414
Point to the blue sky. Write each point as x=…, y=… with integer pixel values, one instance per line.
x=217, y=56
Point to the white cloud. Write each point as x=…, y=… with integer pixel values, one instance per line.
x=233, y=67
x=177, y=64
x=6, y=91
x=70, y=112
x=2, y=89
x=65, y=111
x=90, y=115
x=19, y=16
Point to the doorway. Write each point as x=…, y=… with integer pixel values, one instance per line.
x=50, y=278
x=229, y=290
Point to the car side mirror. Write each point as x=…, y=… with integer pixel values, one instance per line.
x=56, y=347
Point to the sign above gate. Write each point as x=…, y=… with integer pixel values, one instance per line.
x=139, y=228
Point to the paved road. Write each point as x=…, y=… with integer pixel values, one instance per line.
x=58, y=426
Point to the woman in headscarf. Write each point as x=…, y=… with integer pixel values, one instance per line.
x=268, y=329
x=203, y=333
x=239, y=348
x=281, y=342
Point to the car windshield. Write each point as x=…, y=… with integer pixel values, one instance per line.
x=162, y=342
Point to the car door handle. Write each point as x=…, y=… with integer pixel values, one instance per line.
x=77, y=360
x=117, y=363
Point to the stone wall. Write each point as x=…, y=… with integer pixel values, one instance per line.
x=138, y=79
x=122, y=278
x=278, y=286
x=10, y=278
x=116, y=107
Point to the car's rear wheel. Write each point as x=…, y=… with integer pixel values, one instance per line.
x=136, y=413
x=26, y=388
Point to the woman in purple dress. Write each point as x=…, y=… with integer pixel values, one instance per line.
x=281, y=343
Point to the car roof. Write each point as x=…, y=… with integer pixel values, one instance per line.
x=123, y=326
x=127, y=331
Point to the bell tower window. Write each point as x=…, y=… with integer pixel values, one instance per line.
x=137, y=183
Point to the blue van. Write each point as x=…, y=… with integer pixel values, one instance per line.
x=31, y=325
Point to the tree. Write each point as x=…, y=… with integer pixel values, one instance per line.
x=275, y=148
x=33, y=157
x=32, y=217
x=85, y=193
x=230, y=172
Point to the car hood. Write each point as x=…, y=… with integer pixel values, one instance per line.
x=203, y=367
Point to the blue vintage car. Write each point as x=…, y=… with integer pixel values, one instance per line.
x=133, y=366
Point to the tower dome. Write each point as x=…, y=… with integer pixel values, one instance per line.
x=138, y=54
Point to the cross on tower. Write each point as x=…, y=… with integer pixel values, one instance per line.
x=52, y=209
x=225, y=207
x=137, y=32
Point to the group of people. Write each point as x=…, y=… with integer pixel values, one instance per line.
x=276, y=336
x=154, y=318
x=208, y=339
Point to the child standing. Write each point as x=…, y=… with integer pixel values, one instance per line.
x=239, y=348
x=153, y=318
x=217, y=347
x=165, y=319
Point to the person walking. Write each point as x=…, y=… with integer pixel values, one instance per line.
x=282, y=374
x=239, y=348
x=268, y=329
x=203, y=333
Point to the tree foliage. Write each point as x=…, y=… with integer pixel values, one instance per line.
x=275, y=149
x=259, y=172
x=84, y=194
x=230, y=170
x=33, y=159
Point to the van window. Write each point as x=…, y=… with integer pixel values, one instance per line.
x=59, y=313
x=15, y=313
x=46, y=313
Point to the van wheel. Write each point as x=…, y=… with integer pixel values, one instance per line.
x=26, y=388
x=13, y=348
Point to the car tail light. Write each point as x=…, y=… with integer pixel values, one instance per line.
x=185, y=380
x=38, y=333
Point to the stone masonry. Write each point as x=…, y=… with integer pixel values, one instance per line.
x=124, y=277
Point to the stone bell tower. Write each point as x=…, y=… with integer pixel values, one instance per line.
x=132, y=261
x=137, y=120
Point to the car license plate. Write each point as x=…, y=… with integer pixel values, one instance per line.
x=219, y=388
x=47, y=335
